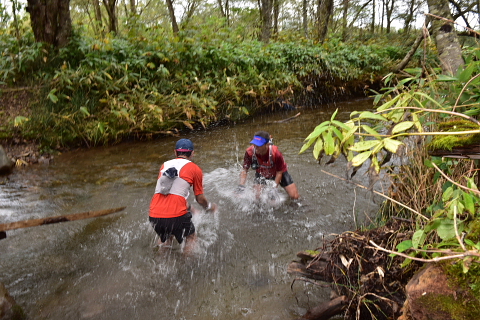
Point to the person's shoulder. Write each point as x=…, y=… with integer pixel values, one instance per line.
x=192, y=166
x=276, y=151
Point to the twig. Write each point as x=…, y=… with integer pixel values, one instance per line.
x=467, y=253
x=455, y=183
x=353, y=209
x=456, y=228
x=453, y=113
x=463, y=89
x=451, y=21
x=379, y=193
x=360, y=299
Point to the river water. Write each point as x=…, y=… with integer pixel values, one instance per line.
x=110, y=268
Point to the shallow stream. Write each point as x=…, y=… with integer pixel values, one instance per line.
x=109, y=267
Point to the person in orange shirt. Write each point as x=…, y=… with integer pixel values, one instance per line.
x=170, y=213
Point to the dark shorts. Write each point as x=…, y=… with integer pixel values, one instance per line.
x=286, y=179
x=180, y=227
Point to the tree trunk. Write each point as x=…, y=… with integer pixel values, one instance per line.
x=305, y=17
x=372, y=25
x=266, y=8
x=225, y=10
x=15, y=20
x=98, y=17
x=192, y=6
x=346, y=4
x=111, y=7
x=359, y=11
x=389, y=7
x=276, y=13
x=445, y=36
x=50, y=21
x=410, y=53
x=325, y=10
x=133, y=8
x=173, y=19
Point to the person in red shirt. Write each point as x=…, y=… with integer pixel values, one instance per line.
x=170, y=213
x=268, y=163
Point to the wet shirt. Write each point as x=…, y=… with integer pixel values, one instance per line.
x=171, y=205
x=269, y=163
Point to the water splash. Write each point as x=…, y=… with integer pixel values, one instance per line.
x=224, y=183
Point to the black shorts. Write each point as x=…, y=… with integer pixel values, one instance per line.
x=180, y=227
x=286, y=179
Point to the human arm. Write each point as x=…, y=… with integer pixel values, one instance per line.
x=243, y=177
x=278, y=178
x=208, y=206
x=247, y=162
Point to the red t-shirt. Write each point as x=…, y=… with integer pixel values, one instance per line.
x=266, y=168
x=172, y=205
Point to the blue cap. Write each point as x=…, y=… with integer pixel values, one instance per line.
x=184, y=145
x=259, y=141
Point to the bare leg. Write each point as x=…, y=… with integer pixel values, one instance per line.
x=169, y=242
x=292, y=191
x=258, y=190
x=190, y=243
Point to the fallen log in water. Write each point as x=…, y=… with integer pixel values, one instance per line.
x=49, y=220
x=326, y=310
x=286, y=120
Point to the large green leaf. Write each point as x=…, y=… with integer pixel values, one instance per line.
x=318, y=130
x=391, y=144
x=402, y=126
x=307, y=145
x=418, y=238
x=317, y=148
x=341, y=125
x=446, y=229
x=364, y=145
x=349, y=134
x=369, y=130
x=469, y=203
x=404, y=245
x=371, y=115
x=329, y=143
x=388, y=104
x=361, y=158
x=333, y=115
x=443, y=77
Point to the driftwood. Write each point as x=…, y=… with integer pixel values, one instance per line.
x=286, y=120
x=49, y=220
x=371, y=281
x=326, y=310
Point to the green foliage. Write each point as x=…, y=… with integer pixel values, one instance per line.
x=437, y=106
x=103, y=90
x=20, y=61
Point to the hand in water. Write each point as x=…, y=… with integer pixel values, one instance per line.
x=213, y=208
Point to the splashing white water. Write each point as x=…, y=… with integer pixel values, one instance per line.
x=224, y=183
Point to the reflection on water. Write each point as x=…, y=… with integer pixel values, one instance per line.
x=111, y=267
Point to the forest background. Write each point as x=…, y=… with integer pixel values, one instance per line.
x=91, y=73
